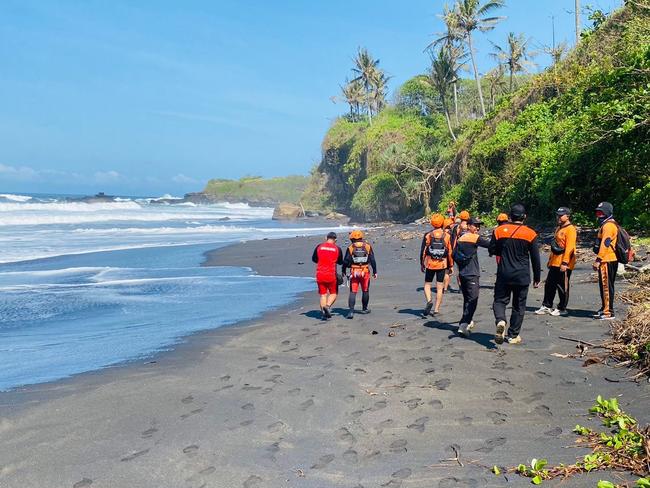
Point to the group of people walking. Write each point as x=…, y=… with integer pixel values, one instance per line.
x=453, y=243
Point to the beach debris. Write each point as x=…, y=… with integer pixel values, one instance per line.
x=624, y=446
x=395, y=325
x=391, y=333
x=374, y=332
x=300, y=473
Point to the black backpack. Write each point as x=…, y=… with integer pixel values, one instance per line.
x=623, y=249
x=437, y=248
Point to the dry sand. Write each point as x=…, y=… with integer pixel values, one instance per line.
x=290, y=401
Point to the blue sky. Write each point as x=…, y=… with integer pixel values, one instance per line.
x=154, y=96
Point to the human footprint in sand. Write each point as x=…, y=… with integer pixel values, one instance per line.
x=327, y=256
x=359, y=257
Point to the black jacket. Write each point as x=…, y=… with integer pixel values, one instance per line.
x=467, y=245
x=517, y=245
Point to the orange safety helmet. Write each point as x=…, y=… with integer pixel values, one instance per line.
x=447, y=223
x=356, y=234
x=464, y=215
x=437, y=220
x=502, y=217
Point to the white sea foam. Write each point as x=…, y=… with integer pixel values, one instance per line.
x=15, y=198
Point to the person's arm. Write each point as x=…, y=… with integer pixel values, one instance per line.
x=536, y=262
x=450, y=258
x=373, y=262
x=483, y=242
x=422, y=247
x=314, y=257
x=569, y=247
x=347, y=261
x=339, y=260
x=493, y=246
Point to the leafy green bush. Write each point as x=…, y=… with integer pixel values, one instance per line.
x=378, y=198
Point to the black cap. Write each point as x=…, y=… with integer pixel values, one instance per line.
x=332, y=235
x=475, y=221
x=606, y=208
x=517, y=211
x=563, y=211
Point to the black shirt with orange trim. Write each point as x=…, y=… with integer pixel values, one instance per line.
x=468, y=245
x=518, y=247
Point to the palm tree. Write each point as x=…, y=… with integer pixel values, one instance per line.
x=366, y=68
x=354, y=95
x=442, y=76
x=496, y=83
x=379, y=86
x=557, y=52
x=471, y=16
x=452, y=38
x=515, y=55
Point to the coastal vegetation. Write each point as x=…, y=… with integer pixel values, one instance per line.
x=257, y=190
x=575, y=134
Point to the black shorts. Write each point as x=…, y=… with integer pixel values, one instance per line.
x=438, y=274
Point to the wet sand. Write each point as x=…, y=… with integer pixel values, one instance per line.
x=290, y=401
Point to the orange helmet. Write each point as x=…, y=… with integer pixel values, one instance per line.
x=356, y=234
x=502, y=217
x=437, y=220
x=447, y=223
x=464, y=215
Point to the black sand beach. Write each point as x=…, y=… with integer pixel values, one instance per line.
x=290, y=401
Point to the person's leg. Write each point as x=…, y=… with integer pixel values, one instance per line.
x=447, y=282
x=473, y=289
x=323, y=301
x=352, y=300
x=563, y=290
x=428, y=279
x=501, y=301
x=603, y=287
x=365, y=288
x=611, y=271
x=519, y=295
x=551, y=285
x=440, y=286
x=464, y=288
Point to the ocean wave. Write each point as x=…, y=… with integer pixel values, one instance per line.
x=58, y=206
x=15, y=198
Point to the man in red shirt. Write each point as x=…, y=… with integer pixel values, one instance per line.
x=327, y=256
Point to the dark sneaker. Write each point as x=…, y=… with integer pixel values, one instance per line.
x=327, y=313
x=500, y=334
x=427, y=310
x=366, y=310
x=350, y=315
x=598, y=314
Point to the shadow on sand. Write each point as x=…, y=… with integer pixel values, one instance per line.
x=485, y=340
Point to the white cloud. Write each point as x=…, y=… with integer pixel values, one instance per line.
x=181, y=178
x=21, y=173
x=107, y=176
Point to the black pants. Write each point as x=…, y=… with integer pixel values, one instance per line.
x=606, y=279
x=502, y=294
x=469, y=285
x=558, y=281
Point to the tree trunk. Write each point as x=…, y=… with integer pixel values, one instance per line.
x=510, y=80
x=476, y=77
x=369, y=110
x=456, y=103
x=451, y=131
x=577, y=22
